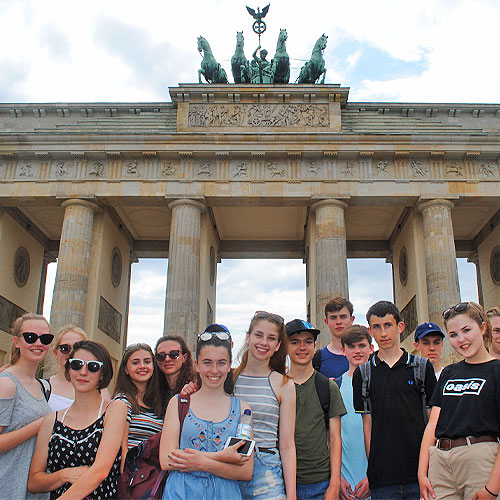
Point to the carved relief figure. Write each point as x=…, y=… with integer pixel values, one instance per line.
x=97, y=169
x=382, y=168
x=417, y=170
x=26, y=171
x=241, y=170
x=486, y=169
x=168, y=169
x=348, y=170
x=453, y=167
x=312, y=167
x=132, y=168
x=203, y=168
x=61, y=170
x=275, y=170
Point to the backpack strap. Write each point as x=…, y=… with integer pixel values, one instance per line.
x=183, y=407
x=322, y=385
x=366, y=375
x=419, y=365
x=46, y=387
x=316, y=362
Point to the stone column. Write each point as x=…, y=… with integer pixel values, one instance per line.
x=182, y=303
x=70, y=290
x=475, y=260
x=440, y=263
x=331, y=256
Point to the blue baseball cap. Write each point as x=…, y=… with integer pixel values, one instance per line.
x=299, y=325
x=427, y=328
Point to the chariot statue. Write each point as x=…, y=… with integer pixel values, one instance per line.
x=315, y=67
x=210, y=68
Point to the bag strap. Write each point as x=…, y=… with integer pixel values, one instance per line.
x=366, y=374
x=316, y=362
x=46, y=387
x=322, y=385
x=183, y=406
x=419, y=365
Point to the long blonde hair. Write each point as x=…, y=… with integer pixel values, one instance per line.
x=15, y=353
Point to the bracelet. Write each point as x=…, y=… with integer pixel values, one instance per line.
x=492, y=494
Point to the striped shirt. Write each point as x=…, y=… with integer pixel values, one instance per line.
x=141, y=425
x=258, y=393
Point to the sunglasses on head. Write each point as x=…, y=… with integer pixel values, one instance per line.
x=92, y=366
x=460, y=307
x=162, y=356
x=206, y=336
x=31, y=338
x=266, y=315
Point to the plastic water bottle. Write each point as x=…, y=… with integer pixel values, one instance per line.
x=245, y=426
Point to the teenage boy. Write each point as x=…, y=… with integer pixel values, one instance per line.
x=357, y=347
x=494, y=317
x=330, y=360
x=429, y=344
x=319, y=448
x=393, y=423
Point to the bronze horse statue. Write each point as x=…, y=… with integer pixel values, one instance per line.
x=210, y=68
x=239, y=63
x=315, y=67
x=280, y=64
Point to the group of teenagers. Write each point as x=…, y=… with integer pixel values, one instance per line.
x=339, y=422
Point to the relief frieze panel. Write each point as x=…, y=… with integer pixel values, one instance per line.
x=258, y=115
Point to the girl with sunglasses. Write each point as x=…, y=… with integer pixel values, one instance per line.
x=77, y=453
x=176, y=365
x=63, y=393
x=22, y=404
x=137, y=385
x=459, y=456
x=262, y=383
x=199, y=465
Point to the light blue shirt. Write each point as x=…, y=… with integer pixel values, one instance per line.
x=354, y=461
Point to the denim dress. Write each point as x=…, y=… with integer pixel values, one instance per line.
x=204, y=435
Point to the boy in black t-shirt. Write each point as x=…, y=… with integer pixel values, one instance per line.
x=394, y=426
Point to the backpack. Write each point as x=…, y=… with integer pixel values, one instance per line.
x=418, y=363
x=322, y=385
x=143, y=477
x=46, y=388
x=317, y=360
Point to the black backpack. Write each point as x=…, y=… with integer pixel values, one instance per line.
x=418, y=363
x=322, y=385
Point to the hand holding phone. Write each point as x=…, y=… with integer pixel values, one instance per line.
x=245, y=449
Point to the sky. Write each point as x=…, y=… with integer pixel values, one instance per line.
x=399, y=51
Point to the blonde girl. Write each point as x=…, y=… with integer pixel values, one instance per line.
x=262, y=383
x=459, y=456
x=22, y=404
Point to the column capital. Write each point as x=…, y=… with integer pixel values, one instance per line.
x=187, y=201
x=436, y=202
x=329, y=202
x=80, y=202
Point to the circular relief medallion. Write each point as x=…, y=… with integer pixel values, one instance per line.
x=403, y=266
x=21, y=266
x=212, y=266
x=495, y=265
x=116, y=267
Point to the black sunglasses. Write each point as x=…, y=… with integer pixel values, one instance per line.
x=65, y=348
x=206, y=336
x=266, y=315
x=162, y=356
x=31, y=338
x=92, y=366
x=460, y=307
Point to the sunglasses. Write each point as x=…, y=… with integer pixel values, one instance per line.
x=65, y=348
x=31, y=338
x=92, y=366
x=460, y=307
x=162, y=356
x=265, y=315
x=206, y=336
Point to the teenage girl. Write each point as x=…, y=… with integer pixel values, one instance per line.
x=459, y=457
x=176, y=364
x=262, y=383
x=137, y=385
x=77, y=453
x=63, y=393
x=22, y=404
x=199, y=466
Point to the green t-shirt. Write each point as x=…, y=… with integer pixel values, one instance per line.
x=311, y=436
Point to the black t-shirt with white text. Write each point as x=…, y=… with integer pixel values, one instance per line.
x=469, y=397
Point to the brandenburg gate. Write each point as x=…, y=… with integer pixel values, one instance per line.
x=243, y=171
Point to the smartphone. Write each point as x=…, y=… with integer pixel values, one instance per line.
x=245, y=449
